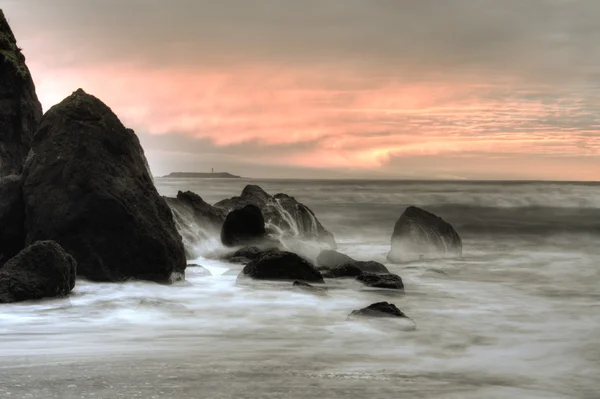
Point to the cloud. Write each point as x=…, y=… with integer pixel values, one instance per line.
x=332, y=85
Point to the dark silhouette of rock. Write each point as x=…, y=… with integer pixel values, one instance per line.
x=290, y=218
x=419, y=233
x=345, y=270
x=302, y=286
x=20, y=110
x=282, y=265
x=243, y=226
x=391, y=281
x=332, y=258
x=336, y=264
x=247, y=254
x=41, y=270
x=87, y=186
x=379, y=309
x=12, y=218
x=196, y=220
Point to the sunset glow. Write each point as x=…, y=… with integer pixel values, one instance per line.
x=334, y=113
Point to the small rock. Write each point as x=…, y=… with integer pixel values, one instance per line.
x=379, y=309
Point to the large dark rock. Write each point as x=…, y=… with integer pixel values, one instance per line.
x=197, y=221
x=282, y=265
x=390, y=281
x=41, y=270
x=247, y=254
x=419, y=234
x=379, y=309
x=12, y=218
x=20, y=110
x=283, y=213
x=243, y=226
x=87, y=186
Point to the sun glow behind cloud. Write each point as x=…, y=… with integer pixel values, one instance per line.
x=447, y=107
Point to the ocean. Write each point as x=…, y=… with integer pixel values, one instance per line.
x=517, y=316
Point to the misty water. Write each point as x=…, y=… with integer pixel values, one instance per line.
x=517, y=316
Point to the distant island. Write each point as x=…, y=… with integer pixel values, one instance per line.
x=196, y=175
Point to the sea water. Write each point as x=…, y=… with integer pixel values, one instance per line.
x=517, y=316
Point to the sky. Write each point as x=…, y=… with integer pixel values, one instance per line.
x=406, y=89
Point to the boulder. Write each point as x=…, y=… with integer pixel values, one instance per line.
x=345, y=270
x=12, y=218
x=197, y=221
x=282, y=265
x=379, y=309
x=390, y=281
x=419, y=234
x=247, y=254
x=335, y=264
x=283, y=214
x=41, y=270
x=20, y=110
x=332, y=258
x=243, y=226
x=87, y=185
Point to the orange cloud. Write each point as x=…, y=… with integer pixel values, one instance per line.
x=337, y=118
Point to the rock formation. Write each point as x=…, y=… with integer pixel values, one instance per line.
x=281, y=265
x=12, y=218
x=419, y=234
x=87, y=185
x=20, y=110
x=196, y=220
x=283, y=213
x=41, y=270
x=243, y=226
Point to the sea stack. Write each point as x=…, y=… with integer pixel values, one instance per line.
x=87, y=185
x=421, y=234
x=20, y=110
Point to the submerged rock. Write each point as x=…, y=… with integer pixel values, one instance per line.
x=282, y=265
x=283, y=214
x=390, y=281
x=332, y=258
x=12, y=218
x=20, y=110
x=243, y=226
x=41, y=270
x=335, y=264
x=301, y=285
x=197, y=221
x=87, y=186
x=379, y=309
x=419, y=233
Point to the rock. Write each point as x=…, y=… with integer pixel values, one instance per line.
x=335, y=264
x=282, y=214
x=243, y=226
x=391, y=281
x=247, y=254
x=12, y=218
x=301, y=285
x=199, y=270
x=87, y=185
x=379, y=309
x=332, y=258
x=282, y=265
x=345, y=270
x=197, y=221
x=41, y=270
x=419, y=233
x=20, y=110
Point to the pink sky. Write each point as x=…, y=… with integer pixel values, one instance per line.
x=299, y=91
